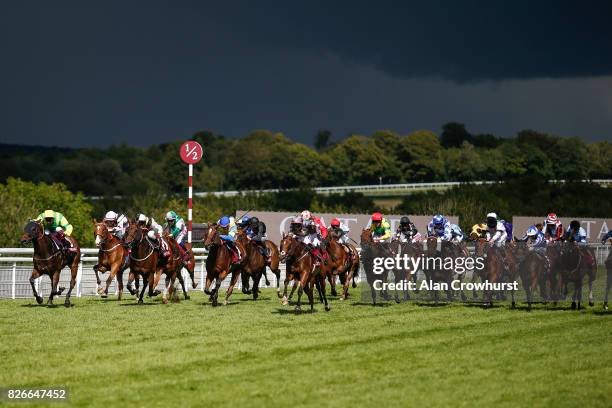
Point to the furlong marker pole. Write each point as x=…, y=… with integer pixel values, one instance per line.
x=190, y=204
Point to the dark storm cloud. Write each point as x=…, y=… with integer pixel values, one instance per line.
x=457, y=40
x=91, y=74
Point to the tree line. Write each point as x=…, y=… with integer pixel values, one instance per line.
x=530, y=196
x=264, y=159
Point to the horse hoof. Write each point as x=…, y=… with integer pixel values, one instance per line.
x=298, y=309
x=104, y=295
x=225, y=302
x=39, y=300
x=279, y=294
x=194, y=285
x=156, y=292
x=573, y=305
x=187, y=297
x=513, y=305
x=67, y=303
x=140, y=301
x=327, y=308
x=591, y=304
x=606, y=306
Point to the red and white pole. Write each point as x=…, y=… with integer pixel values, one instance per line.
x=191, y=152
x=190, y=204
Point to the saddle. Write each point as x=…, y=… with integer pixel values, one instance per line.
x=235, y=251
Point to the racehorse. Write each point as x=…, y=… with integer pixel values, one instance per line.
x=274, y=267
x=219, y=264
x=412, y=250
x=369, y=251
x=350, y=265
x=303, y=267
x=493, y=270
x=437, y=274
x=573, y=268
x=143, y=257
x=532, y=269
x=339, y=263
x=254, y=265
x=49, y=260
x=113, y=256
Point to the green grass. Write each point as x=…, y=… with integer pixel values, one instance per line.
x=111, y=353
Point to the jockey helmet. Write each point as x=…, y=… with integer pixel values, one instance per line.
x=532, y=231
x=141, y=218
x=49, y=214
x=254, y=221
x=335, y=222
x=491, y=220
x=377, y=217
x=575, y=225
x=224, y=221
x=171, y=216
x=404, y=220
x=438, y=219
x=306, y=215
x=244, y=220
x=551, y=218
x=297, y=220
x=110, y=216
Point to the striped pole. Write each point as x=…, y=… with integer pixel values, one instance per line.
x=190, y=204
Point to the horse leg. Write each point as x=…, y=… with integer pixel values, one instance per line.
x=608, y=285
x=322, y=293
x=191, y=270
x=285, y=300
x=293, y=288
x=277, y=274
x=215, y=292
x=54, y=282
x=98, y=281
x=131, y=278
x=120, y=285
x=309, y=288
x=73, y=274
x=155, y=281
x=208, y=284
x=332, y=283
x=256, y=279
x=109, y=280
x=179, y=276
x=245, y=284
x=145, y=282
x=298, y=307
x=591, y=279
x=35, y=275
x=230, y=289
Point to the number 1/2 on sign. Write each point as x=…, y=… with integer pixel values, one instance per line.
x=191, y=152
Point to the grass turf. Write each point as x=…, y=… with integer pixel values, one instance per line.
x=111, y=353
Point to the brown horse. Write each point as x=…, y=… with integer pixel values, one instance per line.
x=350, y=264
x=303, y=266
x=438, y=273
x=532, y=269
x=113, y=256
x=412, y=251
x=219, y=264
x=574, y=267
x=50, y=260
x=371, y=250
x=338, y=263
x=144, y=257
x=493, y=270
x=254, y=265
x=171, y=267
x=274, y=261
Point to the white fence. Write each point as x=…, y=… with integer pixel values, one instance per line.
x=16, y=268
x=15, y=273
x=378, y=187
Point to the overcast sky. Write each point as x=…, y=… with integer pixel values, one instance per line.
x=85, y=74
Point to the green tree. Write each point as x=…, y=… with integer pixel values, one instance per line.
x=454, y=134
x=421, y=158
x=23, y=200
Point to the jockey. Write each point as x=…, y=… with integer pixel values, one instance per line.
x=407, y=231
x=606, y=237
x=315, y=233
x=256, y=232
x=535, y=240
x=575, y=233
x=176, y=227
x=496, y=230
x=58, y=228
x=380, y=227
x=243, y=223
x=227, y=233
x=553, y=229
x=116, y=224
x=478, y=231
x=340, y=230
x=297, y=228
x=440, y=227
x=154, y=232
